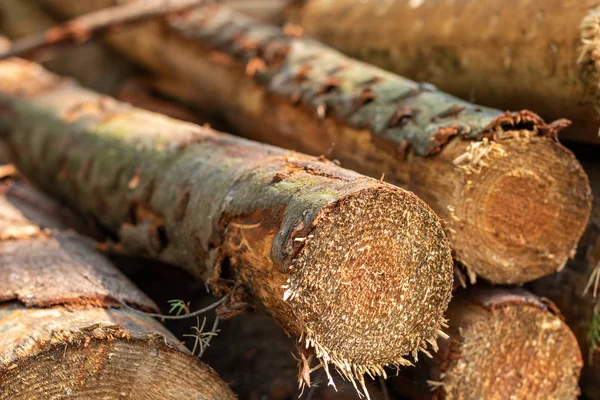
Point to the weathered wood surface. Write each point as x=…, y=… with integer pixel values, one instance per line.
x=61, y=333
x=478, y=168
x=540, y=54
x=358, y=270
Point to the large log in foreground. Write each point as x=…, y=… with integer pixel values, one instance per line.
x=61, y=335
x=540, y=54
x=478, y=168
x=504, y=343
x=358, y=270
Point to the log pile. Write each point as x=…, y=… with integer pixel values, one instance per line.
x=537, y=54
x=293, y=231
x=63, y=331
x=374, y=235
x=478, y=168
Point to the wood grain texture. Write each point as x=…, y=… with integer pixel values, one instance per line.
x=568, y=290
x=504, y=343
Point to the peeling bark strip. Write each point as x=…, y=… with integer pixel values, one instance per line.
x=504, y=343
x=357, y=270
x=541, y=54
x=575, y=291
x=78, y=345
x=514, y=200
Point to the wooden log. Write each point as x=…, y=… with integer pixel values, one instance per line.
x=539, y=54
x=63, y=334
x=574, y=288
x=251, y=353
x=358, y=270
x=262, y=365
x=478, y=168
x=504, y=343
x=91, y=63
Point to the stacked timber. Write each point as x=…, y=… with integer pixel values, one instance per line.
x=478, y=168
x=64, y=332
x=540, y=54
x=575, y=291
x=356, y=269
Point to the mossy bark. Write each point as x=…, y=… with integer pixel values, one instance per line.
x=540, y=54
x=329, y=254
x=61, y=333
x=477, y=167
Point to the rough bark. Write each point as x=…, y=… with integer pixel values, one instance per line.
x=538, y=54
x=62, y=336
x=358, y=270
x=568, y=290
x=504, y=343
x=478, y=168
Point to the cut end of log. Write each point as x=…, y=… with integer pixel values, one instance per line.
x=372, y=282
x=589, y=56
x=96, y=353
x=523, y=197
x=529, y=352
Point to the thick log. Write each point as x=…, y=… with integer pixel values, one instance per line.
x=61, y=333
x=251, y=353
x=540, y=54
x=504, y=343
x=478, y=168
x=574, y=290
x=358, y=270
